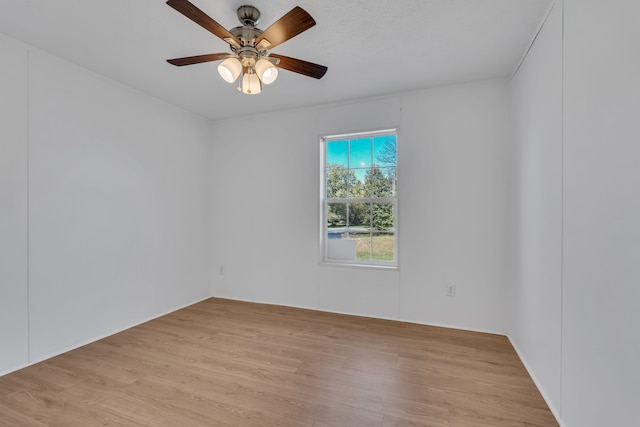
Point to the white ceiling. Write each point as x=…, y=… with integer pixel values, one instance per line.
x=372, y=47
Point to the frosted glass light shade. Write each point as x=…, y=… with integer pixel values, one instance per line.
x=251, y=84
x=230, y=69
x=266, y=71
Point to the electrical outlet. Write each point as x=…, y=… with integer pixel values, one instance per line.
x=451, y=290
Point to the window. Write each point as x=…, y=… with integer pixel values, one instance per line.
x=359, y=199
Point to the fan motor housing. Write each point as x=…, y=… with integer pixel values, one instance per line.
x=247, y=34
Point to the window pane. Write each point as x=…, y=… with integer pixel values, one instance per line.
x=377, y=183
x=337, y=154
x=392, y=182
x=360, y=153
x=342, y=247
x=339, y=244
x=336, y=219
x=384, y=150
x=356, y=187
x=359, y=217
x=338, y=180
x=363, y=246
x=383, y=218
x=382, y=247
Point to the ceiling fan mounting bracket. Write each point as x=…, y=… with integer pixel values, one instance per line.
x=248, y=15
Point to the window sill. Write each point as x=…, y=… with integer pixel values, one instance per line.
x=358, y=265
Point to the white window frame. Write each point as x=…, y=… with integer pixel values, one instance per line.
x=324, y=203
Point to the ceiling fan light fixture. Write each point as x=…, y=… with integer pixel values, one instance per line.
x=251, y=84
x=266, y=71
x=230, y=69
x=250, y=45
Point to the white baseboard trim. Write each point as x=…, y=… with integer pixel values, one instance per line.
x=98, y=338
x=348, y=313
x=13, y=369
x=556, y=413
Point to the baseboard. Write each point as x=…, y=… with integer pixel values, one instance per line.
x=347, y=313
x=14, y=369
x=545, y=396
x=83, y=343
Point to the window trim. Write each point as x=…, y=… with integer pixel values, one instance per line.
x=369, y=264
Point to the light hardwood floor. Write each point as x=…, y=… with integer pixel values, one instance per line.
x=229, y=363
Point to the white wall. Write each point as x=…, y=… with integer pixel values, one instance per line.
x=118, y=228
x=452, y=152
x=454, y=205
x=535, y=244
x=13, y=206
x=574, y=313
x=601, y=288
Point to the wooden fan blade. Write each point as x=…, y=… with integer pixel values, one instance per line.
x=199, y=17
x=198, y=59
x=290, y=25
x=299, y=66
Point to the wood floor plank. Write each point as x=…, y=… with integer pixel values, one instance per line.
x=10, y=417
x=232, y=363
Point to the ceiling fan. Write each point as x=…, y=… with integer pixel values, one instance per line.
x=250, y=46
